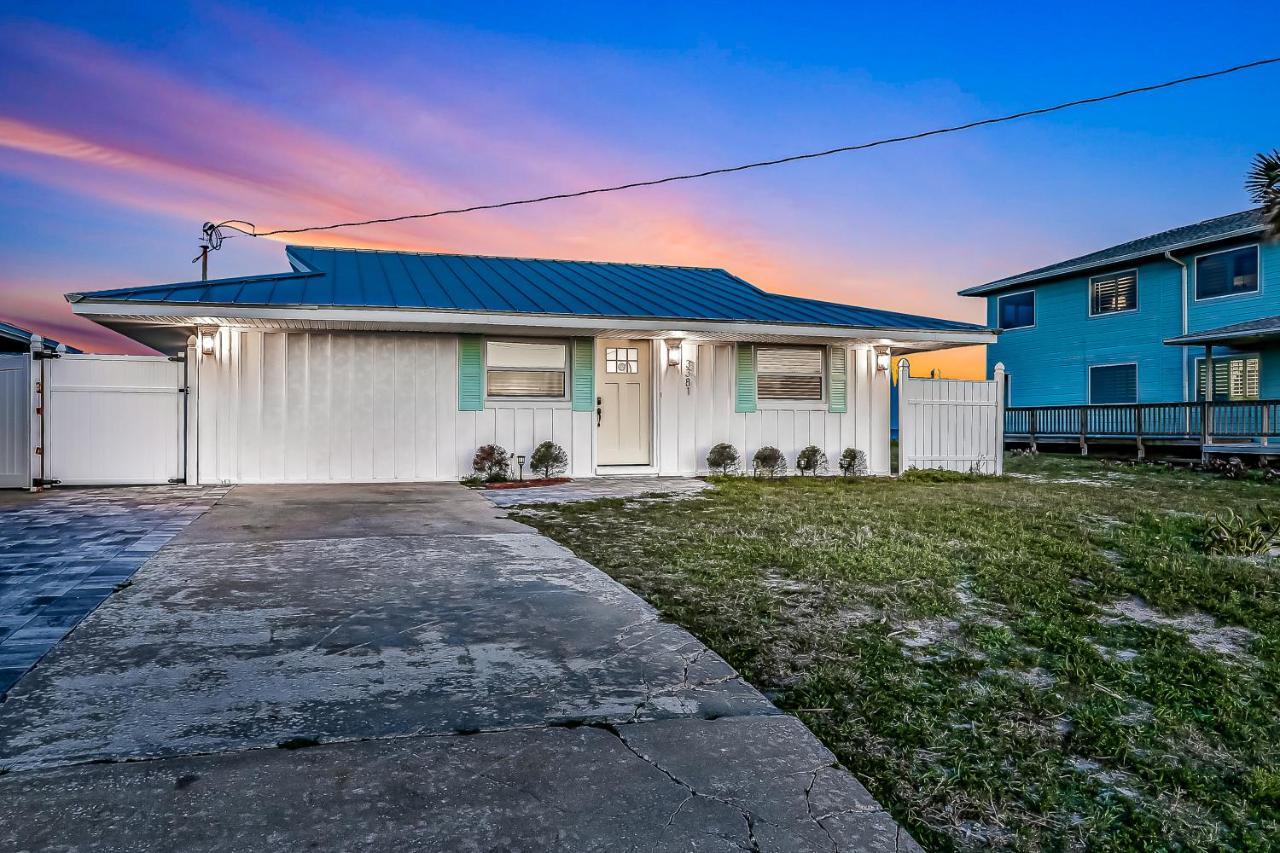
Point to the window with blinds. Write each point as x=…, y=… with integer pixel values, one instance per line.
x=1234, y=378
x=1111, y=294
x=525, y=369
x=1113, y=383
x=789, y=373
x=1227, y=273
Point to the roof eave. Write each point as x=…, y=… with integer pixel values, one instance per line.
x=184, y=311
x=1030, y=278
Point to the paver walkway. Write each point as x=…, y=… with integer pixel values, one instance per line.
x=435, y=675
x=595, y=488
x=63, y=552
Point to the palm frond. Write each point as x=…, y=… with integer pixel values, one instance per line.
x=1263, y=184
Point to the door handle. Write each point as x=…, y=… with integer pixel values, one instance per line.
x=599, y=411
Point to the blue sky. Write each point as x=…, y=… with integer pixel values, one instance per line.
x=124, y=126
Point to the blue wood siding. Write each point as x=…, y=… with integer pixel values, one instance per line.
x=1049, y=363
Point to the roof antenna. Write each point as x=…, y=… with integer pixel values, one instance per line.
x=212, y=242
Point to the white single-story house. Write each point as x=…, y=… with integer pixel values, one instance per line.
x=363, y=366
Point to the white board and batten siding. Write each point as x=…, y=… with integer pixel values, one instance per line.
x=951, y=424
x=694, y=417
x=315, y=407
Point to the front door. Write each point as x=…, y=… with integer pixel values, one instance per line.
x=623, y=405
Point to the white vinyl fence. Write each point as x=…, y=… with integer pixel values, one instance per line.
x=113, y=419
x=79, y=419
x=15, y=421
x=951, y=424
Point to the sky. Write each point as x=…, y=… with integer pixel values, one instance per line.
x=124, y=127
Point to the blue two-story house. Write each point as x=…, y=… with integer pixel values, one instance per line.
x=1134, y=323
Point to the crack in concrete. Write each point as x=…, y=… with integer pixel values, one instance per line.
x=693, y=792
x=808, y=806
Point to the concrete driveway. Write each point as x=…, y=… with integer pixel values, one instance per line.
x=382, y=667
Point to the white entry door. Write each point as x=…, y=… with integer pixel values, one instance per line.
x=624, y=407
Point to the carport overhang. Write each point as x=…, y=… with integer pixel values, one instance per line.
x=168, y=326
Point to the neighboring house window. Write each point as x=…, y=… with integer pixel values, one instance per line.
x=789, y=373
x=1227, y=273
x=1017, y=310
x=525, y=368
x=1113, y=383
x=1111, y=294
x=1234, y=377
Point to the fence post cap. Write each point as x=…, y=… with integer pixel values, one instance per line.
x=999, y=367
x=903, y=363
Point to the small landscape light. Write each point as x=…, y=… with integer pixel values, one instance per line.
x=520, y=462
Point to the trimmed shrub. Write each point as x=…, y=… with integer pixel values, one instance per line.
x=853, y=462
x=723, y=458
x=769, y=462
x=549, y=459
x=811, y=460
x=492, y=462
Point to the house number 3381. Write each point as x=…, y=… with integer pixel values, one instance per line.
x=688, y=376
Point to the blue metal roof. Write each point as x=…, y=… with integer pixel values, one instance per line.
x=21, y=338
x=1236, y=224
x=344, y=278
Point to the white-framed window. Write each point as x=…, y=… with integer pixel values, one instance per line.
x=1016, y=310
x=520, y=369
x=1113, y=293
x=1227, y=273
x=1110, y=384
x=1235, y=377
x=789, y=373
x=621, y=360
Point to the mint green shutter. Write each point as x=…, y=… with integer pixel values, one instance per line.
x=584, y=374
x=470, y=373
x=746, y=396
x=838, y=394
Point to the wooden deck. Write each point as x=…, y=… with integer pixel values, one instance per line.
x=1216, y=427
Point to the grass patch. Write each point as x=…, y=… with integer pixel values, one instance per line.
x=1044, y=661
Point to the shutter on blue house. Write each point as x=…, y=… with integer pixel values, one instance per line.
x=746, y=378
x=584, y=374
x=1113, y=383
x=470, y=373
x=838, y=394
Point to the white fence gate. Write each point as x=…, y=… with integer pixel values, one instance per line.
x=15, y=421
x=952, y=424
x=113, y=419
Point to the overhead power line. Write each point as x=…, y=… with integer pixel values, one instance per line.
x=252, y=231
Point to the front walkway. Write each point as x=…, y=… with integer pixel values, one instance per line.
x=435, y=676
x=595, y=488
x=66, y=550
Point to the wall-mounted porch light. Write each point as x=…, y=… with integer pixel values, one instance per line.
x=208, y=343
x=673, y=351
x=882, y=359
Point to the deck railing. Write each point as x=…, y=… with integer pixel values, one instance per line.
x=1201, y=422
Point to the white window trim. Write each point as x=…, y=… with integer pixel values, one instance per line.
x=1035, y=309
x=1137, y=384
x=796, y=403
x=502, y=402
x=1217, y=359
x=1137, y=303
x=1195, y=270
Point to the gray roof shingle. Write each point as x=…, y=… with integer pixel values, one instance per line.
x=1235, y=224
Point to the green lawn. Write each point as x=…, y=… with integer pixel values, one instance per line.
x=1044, y=661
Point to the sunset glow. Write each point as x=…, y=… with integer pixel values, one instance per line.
x=120, y=135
